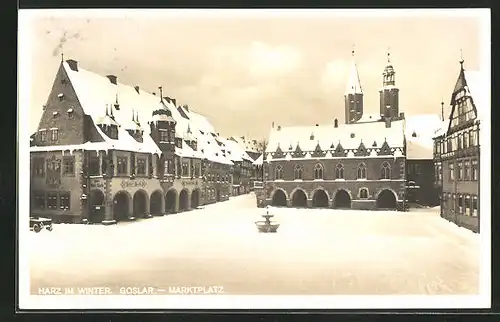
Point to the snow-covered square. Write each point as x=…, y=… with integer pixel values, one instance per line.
x=316, y=251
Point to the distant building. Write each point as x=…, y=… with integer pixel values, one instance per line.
x=105, y=151
x=420, y=170
x=457, y=153
x=360, y=164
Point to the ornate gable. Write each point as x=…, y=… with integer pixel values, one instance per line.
x=298, y=153
x=278, y=153
x=318, y=153
x=361, y=151
x=339, y=151
x=385, y=149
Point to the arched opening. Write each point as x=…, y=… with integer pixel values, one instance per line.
x=170, y=201
x=183, y=200
x=279, y=199
x=217, y=195
x=320, y=199
x=140, y=203
x=155, y=203
x=97, y=207
x=342, y=199
x=121, y=206
x=386, y=200
x=195, y=198
x=299, y=199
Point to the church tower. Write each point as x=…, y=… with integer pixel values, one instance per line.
x=353, y=95
x=389, y=94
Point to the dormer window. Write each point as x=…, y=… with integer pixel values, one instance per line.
x=61, y=97
x=55, y=114
x=414, y=134
x=70, y=113
x=352, y=135
x=113, y=132
x=54, y=134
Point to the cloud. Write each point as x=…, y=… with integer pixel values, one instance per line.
x=334, y=75
x=271, y=61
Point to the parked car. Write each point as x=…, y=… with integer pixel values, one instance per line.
x=39, y=223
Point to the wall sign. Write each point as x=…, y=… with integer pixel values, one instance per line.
x=189, y=182
x=133, y=183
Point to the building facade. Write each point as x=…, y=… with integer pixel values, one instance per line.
x=457, y=154
x=360, y=164
x=105, y=151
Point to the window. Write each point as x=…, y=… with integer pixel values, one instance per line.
x=68, y=166
x=43, y=135
x=141, y=166
x=218, y=177
x=362, y=171
x=460, y=170
x=197, y=170
x=185, y=169
x=452, y=172
x=64, y=200
x=61, y=97
x=449, y=147
x=94, y=166
x=459, y=142
x=164, y=136
x=339, y=171
x=460, y=204
x=474, y=170
x=54, y=134
x=440, y=172
x=318, y=171
x=39, y=200
x=467, y=206
x=466, y=139
x=386, y=171
x=363, y=193
x=52, y=200
x=466, y=170
x=121, y=168
x=39, y=167
x=474, y=206
x=297, y=172
x=278, y=173
x=113, y=132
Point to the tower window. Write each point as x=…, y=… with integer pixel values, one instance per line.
x=339, y=171
x=54, y=134
x=278, y=172
x=61, y=97
x=362, y=171
x=318, y=171
x=298, y=172
x=386, y=171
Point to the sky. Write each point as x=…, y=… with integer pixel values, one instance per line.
x=245, y=70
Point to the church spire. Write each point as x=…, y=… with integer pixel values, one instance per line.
x=353, y=95
x=353, y=82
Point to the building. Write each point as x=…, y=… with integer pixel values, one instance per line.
x=105, y=151
x=254, y=149
x=242, y=169
x=420, y=130
x=360, y=164
x=457, y=153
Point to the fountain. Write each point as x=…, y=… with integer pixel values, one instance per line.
x=267, y=226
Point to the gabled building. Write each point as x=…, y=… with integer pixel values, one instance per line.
x=457, y=152
x=359, y=164
x=105, y=151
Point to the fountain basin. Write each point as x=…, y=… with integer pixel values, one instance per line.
x=266, y=227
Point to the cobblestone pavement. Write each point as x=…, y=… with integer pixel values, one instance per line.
x=314, y=252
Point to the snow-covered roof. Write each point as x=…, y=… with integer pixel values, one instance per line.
x=96, y=92
x=478, y=89
x=353, y=85
x=370, y=117
x=349, y=136
x=420, y=131
x=249, y=145
x=238, y=152
x=259, y=160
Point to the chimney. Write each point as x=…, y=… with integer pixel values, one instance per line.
x=137, y=89
x=174, y=101
x=112, y=79
x=279, y=127
x=336, y=123
x=317, y=124
x=154, y=93
x=387, y=122
x=186, y=107
x=73, y=64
